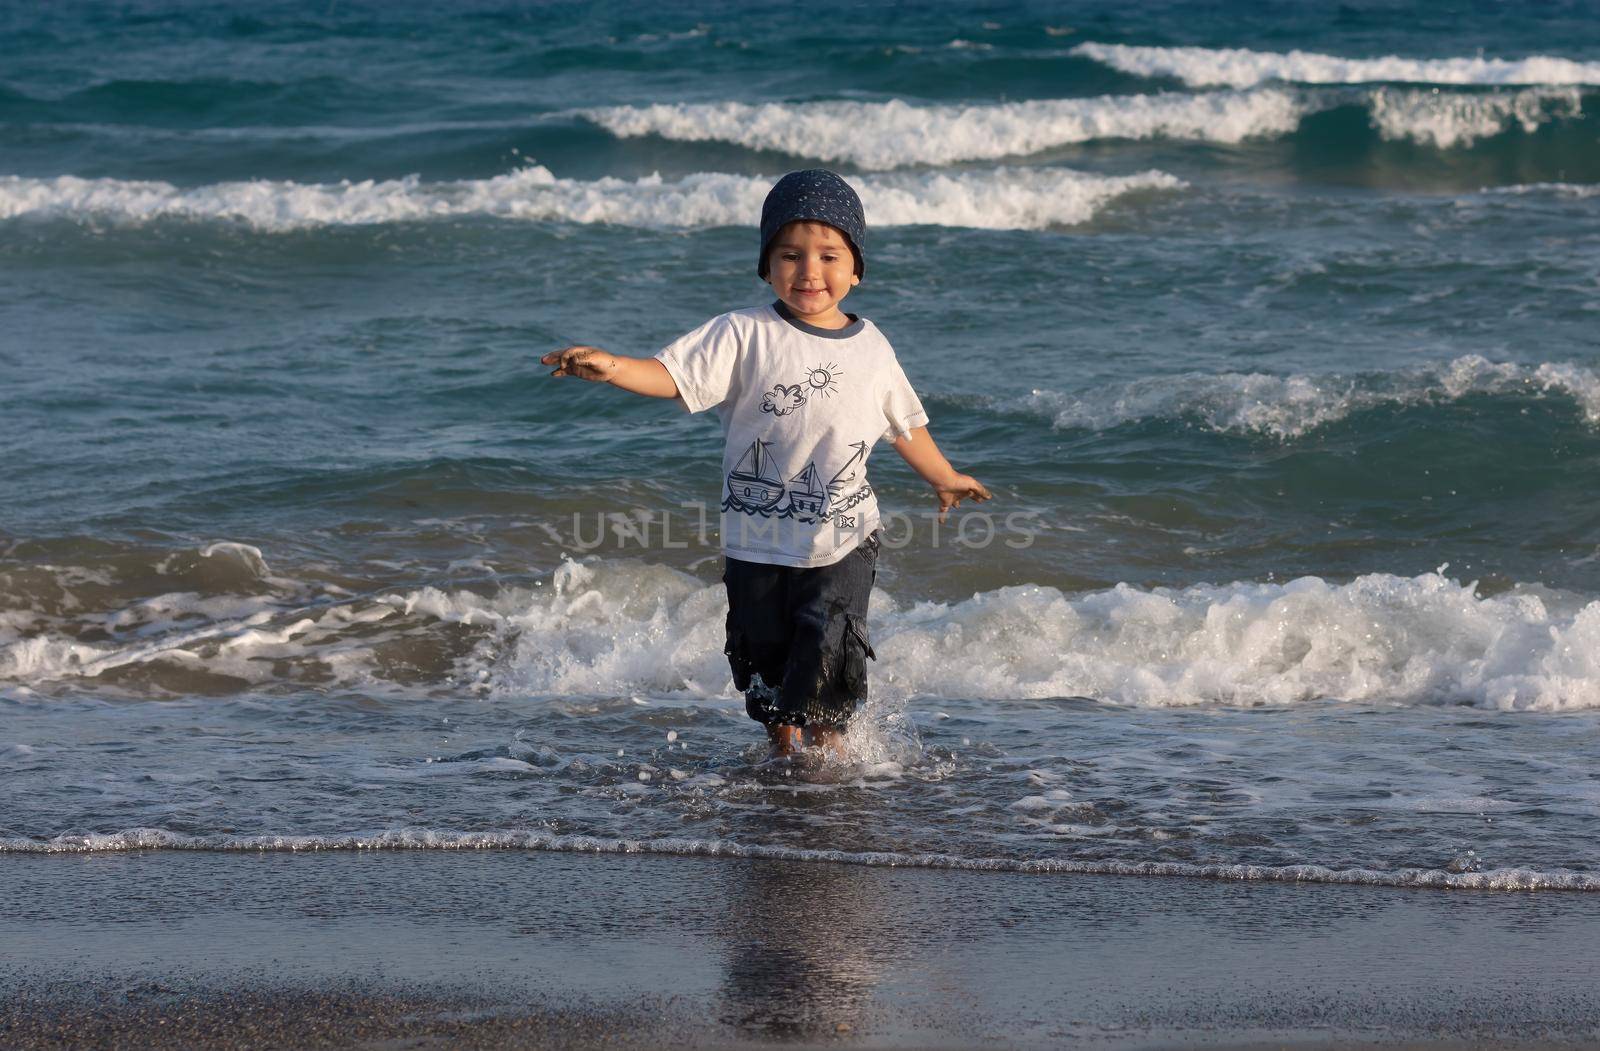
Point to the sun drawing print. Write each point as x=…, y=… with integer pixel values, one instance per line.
x=821, y=377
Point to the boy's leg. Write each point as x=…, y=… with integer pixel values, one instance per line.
x=826, y=674
x=757, y=634
x=784, y=739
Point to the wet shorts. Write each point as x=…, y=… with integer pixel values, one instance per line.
x=797, y=638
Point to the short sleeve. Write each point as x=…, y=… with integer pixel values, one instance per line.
x=702, y=363
x=902, y=409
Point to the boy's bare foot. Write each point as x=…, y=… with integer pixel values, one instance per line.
x=784, y=740
x=828, y=738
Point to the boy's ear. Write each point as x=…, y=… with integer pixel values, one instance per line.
x=855, y=279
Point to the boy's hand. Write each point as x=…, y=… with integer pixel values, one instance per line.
x=916, y=447
x=586, y=363
x=645, y=376
x=958, y=488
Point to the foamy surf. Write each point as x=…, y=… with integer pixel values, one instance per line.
x=882, y=135
x=997, y=199
x=1241, y=67
x=612, y=628
x=1550, y=189
x=1506, y=879
x=885, y=135
x=1447, y=120
x=1291, y=406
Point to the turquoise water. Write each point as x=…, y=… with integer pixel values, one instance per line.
x=1271, y=329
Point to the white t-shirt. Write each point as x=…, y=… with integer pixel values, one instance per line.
x=801, y=409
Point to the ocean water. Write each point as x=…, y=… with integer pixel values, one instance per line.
x=1272, y=328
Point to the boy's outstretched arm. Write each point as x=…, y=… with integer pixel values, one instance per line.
x=641, y=375
x=918, y=450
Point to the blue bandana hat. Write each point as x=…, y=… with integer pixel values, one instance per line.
x=815, y=195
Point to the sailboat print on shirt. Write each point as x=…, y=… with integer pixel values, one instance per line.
x=841, y=498
x=755, y=487
x=753, y=484
x=807, y=497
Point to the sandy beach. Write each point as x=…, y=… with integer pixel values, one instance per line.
x=529, y=949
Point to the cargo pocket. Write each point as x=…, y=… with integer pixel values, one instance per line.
x=857, y=650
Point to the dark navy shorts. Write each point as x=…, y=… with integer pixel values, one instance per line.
x=797, y=638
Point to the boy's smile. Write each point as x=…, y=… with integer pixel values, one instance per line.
x=812, y=268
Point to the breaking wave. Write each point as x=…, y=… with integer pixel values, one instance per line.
x=883, y=135
x=1242, y=68
x=1552, y=189
x=997, y=199
x=880, y=135
x=1291, y=406
x=608, y=628
x=1505, y=879
x=1448, y=120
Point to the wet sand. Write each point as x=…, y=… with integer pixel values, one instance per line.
x=526, y=949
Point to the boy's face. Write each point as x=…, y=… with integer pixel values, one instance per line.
x=811, y=267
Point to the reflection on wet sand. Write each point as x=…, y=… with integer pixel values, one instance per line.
x=805, y=945
x=805, y=949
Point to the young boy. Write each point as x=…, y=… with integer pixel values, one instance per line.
x=804, y=391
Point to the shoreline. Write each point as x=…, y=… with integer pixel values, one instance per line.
x=1496, y=880
x=514, y=949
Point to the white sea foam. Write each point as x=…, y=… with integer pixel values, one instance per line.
x=1291, y=406
x=597, y=626
x=884, y=135
x=1446, y=119
x=1508, y=879
x=1239, y=68
x=609, y=629
x=881, y=135
x=998, y=199
x=1450, y=119
x=1553, y=189
x=1377, y=639
x=239, y=637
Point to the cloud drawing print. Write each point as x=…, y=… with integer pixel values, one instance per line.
x=784, y=398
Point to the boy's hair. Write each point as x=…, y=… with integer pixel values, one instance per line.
x=815, y=195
